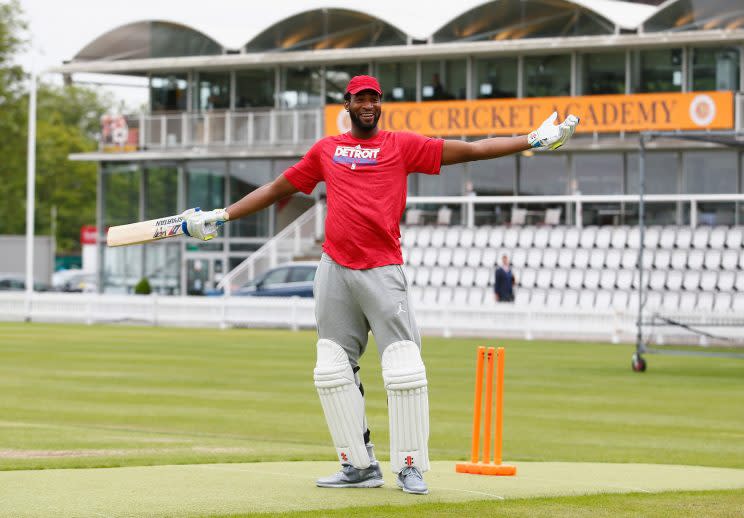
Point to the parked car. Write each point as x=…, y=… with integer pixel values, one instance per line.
x=17, y=282
x=82, y=282
x=288, y=280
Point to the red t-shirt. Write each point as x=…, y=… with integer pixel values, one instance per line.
x=366, y=184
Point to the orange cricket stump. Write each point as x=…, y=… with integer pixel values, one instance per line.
x=485, y=466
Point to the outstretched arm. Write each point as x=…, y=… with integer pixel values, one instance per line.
x=548, y=136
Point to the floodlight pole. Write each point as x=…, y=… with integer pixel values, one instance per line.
x=641, y=243
x=30, y=192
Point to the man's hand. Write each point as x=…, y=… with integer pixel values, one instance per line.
x=203, y=225
x=552, y=136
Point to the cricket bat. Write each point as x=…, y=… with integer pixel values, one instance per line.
x=145, y=231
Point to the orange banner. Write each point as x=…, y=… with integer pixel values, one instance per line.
x=600, y=113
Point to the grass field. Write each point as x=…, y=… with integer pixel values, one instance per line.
x=107, y=396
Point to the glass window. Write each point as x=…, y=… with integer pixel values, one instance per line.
x=710, y=172
x=661, y=173
x=547, y=76
x=274, y=277
x=212, y=91
x=170, y=39
x=337, y=77
x=398, y=81
x=543, y=174
x=602, y=73
x=302, y=274
x=247, y=176
x=121, y=186
x=205, y=184
x=657, y=70
x=301, y=87
x=598, y=173
x=161, y=191
x=254, y=88
x=715, y=69
x=495, y=78
x=159, y=270
x=493, y=177
x=168, y=93
x=443, y=80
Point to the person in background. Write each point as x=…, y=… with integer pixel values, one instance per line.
x=503, y=287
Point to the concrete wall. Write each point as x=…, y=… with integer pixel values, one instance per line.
x=13, y=256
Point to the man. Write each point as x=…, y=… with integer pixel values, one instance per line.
x=503, y=287
x=360, y=284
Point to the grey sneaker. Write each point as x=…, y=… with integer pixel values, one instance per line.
x=349, y=476
x=411, y=481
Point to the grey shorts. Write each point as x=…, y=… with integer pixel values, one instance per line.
x=351, y=303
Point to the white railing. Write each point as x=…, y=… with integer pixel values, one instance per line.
x=255, y=128
x=296, y=238
x=739, y=112
x=469, y=203
x=496, y=322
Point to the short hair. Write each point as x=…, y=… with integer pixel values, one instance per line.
x=347, y=97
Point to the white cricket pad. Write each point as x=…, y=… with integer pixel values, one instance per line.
x=343, y=404
x=408, y=404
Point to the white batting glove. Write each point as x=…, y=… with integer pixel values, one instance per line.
x=552, y=136
x=203, y=224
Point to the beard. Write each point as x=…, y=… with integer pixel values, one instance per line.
x=357, y=121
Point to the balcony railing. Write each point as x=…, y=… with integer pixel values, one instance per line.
x=253, y=129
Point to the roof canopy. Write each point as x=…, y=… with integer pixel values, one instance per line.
x=327, y=29
x=687, y=15
x=149, y=39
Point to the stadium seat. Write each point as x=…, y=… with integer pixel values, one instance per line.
x=467, y=277
x=410, y=273
x=700, y=240
x=511, y=237
x=408, y=239
x=444, y=257
x=726, y=280
x=553, y=216
x=674, y=280
x=460, y=296
x=430, y=257
x=404, y=254
x=620, y=300
x=476, y=296
x=459, y=256
x=679, y=259
x=630, y=259
x=634, y=238
x=717, y=239
x=670, y=301
x=695, y=259
x=415, y=256
x=422, y=276
x=624, y=279
x=607, y=279
x=538, y=297
x=687, y=301
x=729, y=259
x=741, y=260
x=734, y=238
x=437, y=236
x=603, y=237
x=657, y=280
x=662, y=259
x=556, y=237
x=452, y=237
x=417, y=294
x=683, y=239
x=474, y=257
x=549, y=258
x=437, y=276
x=483, y=276
x=560, y=278
x=565, y=258
x=423, y=238
x=543, y=278
x=480, y=238
x=708, y=280
x=591, y=279
x=597, y=258
x=570, y=299
x=691, y=280
x=429, y=298
x=588, y=235
x=489, y=257
x=542, y=236
x=619, y=237
x=527, y=278
x=652, y=301
x=637, y=278
x=444, y=297
x=526, y=236
x=467, y=236
x=496, y=239
x=739, y=283
x=613, y=259
x=581, y=258
x=413, y=216
x=519, y=258
x=534, y=257
x=553, y=299
x=603, y=299
x=722, y=302
x=586, y=299
x=666, y=238
x=522, y=297
x=518, y=216
x=451, y=277
x=571, y=237
x=705, y=301
x=575, y=279
x=737, y=303
x=712, y=260
x=648, y=258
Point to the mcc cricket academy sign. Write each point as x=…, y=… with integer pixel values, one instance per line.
x=600, y=113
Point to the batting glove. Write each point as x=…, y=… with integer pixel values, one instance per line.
x=552, y=136
x=203, y=225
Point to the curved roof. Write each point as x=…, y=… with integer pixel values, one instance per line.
x=327, y=29
x=687, y=15
x=149, y=39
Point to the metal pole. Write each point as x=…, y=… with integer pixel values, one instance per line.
x=30, y=192
x=641, y=223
